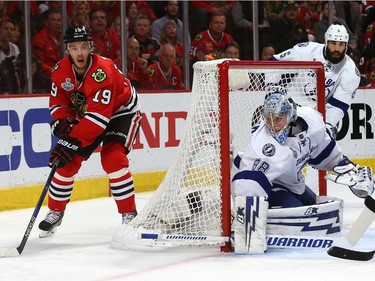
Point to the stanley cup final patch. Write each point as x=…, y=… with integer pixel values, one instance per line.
x=268, y=150
x=67, y=85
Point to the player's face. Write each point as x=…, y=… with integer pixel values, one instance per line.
x=79, y=53
x=277, y=123
x=335, y=51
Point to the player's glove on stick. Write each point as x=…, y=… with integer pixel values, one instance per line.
x=359, y=179
x=64, y=151
x=61, y=128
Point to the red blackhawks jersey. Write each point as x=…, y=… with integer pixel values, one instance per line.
x=159, y=80
x=205, y=42
x=102, y=94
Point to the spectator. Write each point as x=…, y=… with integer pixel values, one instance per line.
x=41, y=83
x=106, y=40
x=309, y=14
x=213, y=38
x=350, y=11
x=136, y=66
x=9, y=52
x=169, y=35
x=201, y=12
x=149, y=45
x=131, y=14
x=232, y=50
x=274, y=10
x=242, y=14
x=321, y=26
x=46, y=43
x=370, y=75
x=288, y=31
x=268, y=50
x=164, y=74
x=80, y=14
x=365, y=79
x=171, y=10
x=116, y=25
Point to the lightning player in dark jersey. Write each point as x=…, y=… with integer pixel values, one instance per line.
x=91, y=103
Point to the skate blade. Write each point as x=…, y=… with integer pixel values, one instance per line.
x=44, y=234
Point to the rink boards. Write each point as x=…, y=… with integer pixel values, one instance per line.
x=26, y=143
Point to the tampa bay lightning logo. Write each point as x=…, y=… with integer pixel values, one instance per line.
x=328, y=67
x=268, y=150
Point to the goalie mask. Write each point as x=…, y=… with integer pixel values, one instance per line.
x=278, y=113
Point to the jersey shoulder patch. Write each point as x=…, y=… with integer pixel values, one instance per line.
x=303, y=44
x=268, y=149
x=99, y=75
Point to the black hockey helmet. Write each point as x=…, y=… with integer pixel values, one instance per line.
x=76, y=34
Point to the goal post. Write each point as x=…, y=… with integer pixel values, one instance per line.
x=192, y=205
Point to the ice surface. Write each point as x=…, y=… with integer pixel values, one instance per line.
x=80, y=250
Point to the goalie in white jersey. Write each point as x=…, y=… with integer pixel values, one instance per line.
x=267, y=173
x=341, y=74
x=287, y=139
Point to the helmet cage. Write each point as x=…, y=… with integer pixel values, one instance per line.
x=277, y=105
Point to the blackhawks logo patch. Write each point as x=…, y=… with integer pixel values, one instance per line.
x=151, y=71
x=99, y=75
x=198, y=37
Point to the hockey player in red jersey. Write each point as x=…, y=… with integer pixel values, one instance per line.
x=91, y=103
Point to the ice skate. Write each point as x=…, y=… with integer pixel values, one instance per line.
x=128, y=217
x=48, y=226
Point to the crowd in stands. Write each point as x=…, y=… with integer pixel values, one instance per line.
x=155, y=34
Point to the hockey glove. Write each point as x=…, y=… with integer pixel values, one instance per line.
x=62, y=128
x=64, y=151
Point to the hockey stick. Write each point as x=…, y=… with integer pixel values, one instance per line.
x=273, y=241
x=13, y=252
x=359, y=227
x=343, y=253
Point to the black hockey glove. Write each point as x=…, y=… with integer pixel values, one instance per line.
x=61, y=128
x=64, y=151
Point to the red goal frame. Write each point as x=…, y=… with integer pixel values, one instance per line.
x=224, y=124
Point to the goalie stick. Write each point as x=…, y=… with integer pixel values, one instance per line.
x=273, y=241
x=343, y=253
x=355, y=233
x=16, y=251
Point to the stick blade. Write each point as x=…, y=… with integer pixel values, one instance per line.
x=342, y=253
x=8, y=252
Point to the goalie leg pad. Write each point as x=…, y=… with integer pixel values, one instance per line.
x=250, y=224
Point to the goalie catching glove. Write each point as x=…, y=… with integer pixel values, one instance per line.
x=359, y=179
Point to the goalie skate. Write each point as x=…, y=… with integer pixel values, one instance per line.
x=48, y=226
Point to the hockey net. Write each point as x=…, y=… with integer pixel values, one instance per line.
x=192, y=204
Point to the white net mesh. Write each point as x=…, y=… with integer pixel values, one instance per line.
x=188, y=201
